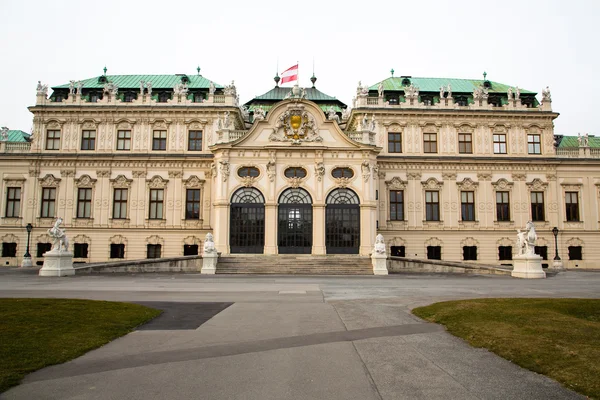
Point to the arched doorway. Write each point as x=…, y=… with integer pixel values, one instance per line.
x=247, y=222
x=294, y=234
x=342, y=222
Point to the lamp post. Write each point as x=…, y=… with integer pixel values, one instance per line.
x=27, y=257
x=557, y=264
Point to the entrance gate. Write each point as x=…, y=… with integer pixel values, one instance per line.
x=342, y=222
x=294, y=234
x=247, y=222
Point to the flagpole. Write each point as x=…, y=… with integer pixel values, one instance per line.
x=298, y=77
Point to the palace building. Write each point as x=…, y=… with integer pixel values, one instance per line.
x=144, y=166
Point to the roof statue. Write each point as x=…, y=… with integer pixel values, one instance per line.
x=211, y=88
x=517, y=93
x=546, y=95
x=442, y=92
x=449, y=90
x=111, y=88
x=509, y=93
x=4, y=134
x=149, y=87
x=411, y=92
x=380, y=89
x=42, y=89
x=259, y=113
x=180, y=89
x=579, y=141
x=71, y=87
x=332, y=115
x=79, y=88
x=480, y=93
x=230, y=89
x=586, y=140
x=142, y=85
x=346, y=113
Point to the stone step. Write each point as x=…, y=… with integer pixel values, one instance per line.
x=295, y=264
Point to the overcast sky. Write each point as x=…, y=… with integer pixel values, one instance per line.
x=529, y=44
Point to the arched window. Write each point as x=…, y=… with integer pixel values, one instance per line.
x=342, y=196
x=247, y=195
x=295, y=196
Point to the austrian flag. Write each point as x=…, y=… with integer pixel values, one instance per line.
x=290, y=74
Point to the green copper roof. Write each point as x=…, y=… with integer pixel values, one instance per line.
x=434, y=84
x=133, y=82
x=324, y=107
x=279, y=93
x=17, y=136
x=572, y=141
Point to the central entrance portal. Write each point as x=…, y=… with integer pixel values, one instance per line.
x=342, y=222
x=247, y=222
x=294, y=234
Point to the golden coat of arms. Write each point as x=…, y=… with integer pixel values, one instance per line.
x=295, y=125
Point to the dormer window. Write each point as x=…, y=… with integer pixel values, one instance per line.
x=198, y=97
x=94, y=97
x=164, y=97
x=405, y=82
x=427, y=99
x=128, y=97
x=461, y=101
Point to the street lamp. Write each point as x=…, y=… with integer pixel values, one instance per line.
x=27, y=257
x=557, y=264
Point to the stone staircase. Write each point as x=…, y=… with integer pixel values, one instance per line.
x=298, y=264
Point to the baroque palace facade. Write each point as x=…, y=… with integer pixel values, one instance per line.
x=147, y=165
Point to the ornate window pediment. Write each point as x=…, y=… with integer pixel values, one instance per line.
x=155, y=239
x=469, y=241
x=432, y=183
x=537, y=185
x=121, y=182
x=157, y=182
x=193, y=182
x=396, y=184
x=49, y=181
x=84, y=181
x=503, y=184
x=467, y=184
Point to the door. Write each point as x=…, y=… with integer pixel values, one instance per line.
x=342, y=222
x=294, y=233
x=247, y=222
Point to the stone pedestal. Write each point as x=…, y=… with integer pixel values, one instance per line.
x=26, y=263
x=379, y=262
x=528, y=266
x=209, y=263
x=57, y=264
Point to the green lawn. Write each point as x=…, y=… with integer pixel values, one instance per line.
x=559, y=338
x=35, y=333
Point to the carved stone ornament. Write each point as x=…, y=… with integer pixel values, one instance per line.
x=432, y=183
x=295, y=182
x=121, y=182
x=157, y=182
x=396, y=184
x=519, y=177
x=85, y=181
x=413, y=175
x=342, y=182
x=295, y=125
x=467, y=184
x=449, y=176
x=319, y=170
x=193, y=182
x=366, y=170
x=49, y=181
x=502, y=184
x=224, y=165
x=537, y=185
x=271, y=170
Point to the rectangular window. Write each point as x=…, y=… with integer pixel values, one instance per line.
x=541, y=251
x=499, y=143
x=394, y=142
x=502, y=206
x=467, y=206
x=13, y=202
x=533, y=144
x=465, y=143
x=52, y=140
x=432, y=206
x=397, y=205
x=9, y=249
x=84, y=203
x=572, y=204
x=470, y=253
x=398, y=251
x=504, y=253
x=124, y=140
x=195, y=141
x=153, y=251
x=434, y=252
x=80, y=250
x=159, y=140
x=537, y=206
x=120, y=204
x=42, y=248
x=48, y=200
x=88, y=140
x=192, y=204
x=430, y=143
x=575, y=253
x=190, y=249
x=117, y=250
x=156, y=203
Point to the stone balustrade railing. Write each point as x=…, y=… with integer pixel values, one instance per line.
x=15, y=147
x=578, y=152
x=145, y=100
x=236, y=134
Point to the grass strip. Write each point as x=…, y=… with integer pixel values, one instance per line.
x=35, y=333
x=559, y=338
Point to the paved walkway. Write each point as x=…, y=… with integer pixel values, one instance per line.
x=284, y=337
